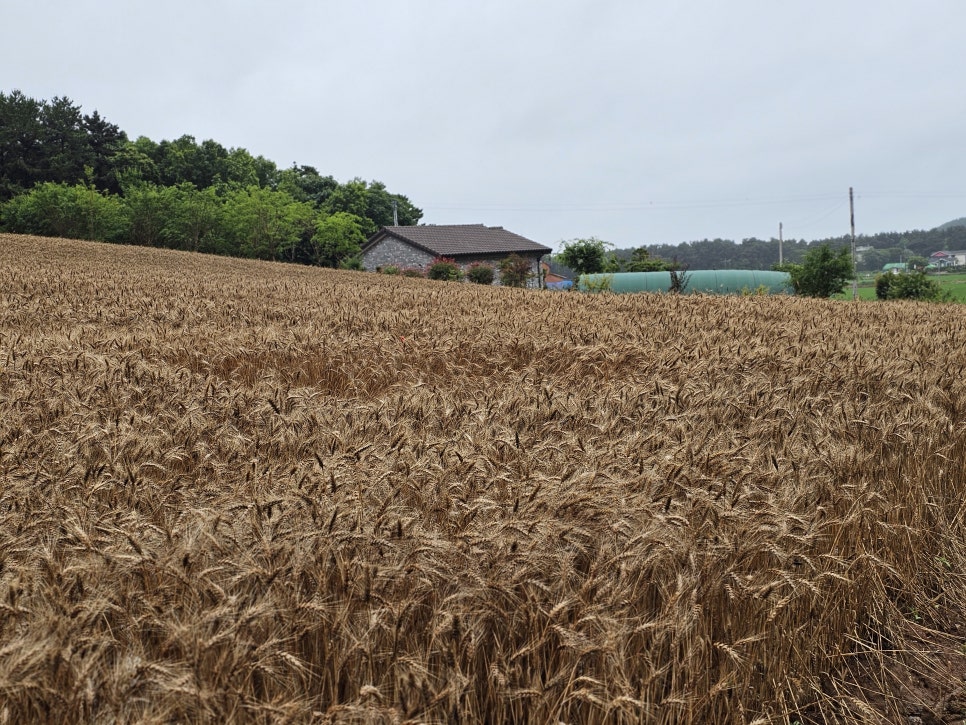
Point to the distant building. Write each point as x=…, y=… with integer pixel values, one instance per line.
x=895, y=267
x=418, y=246
x=948, y=259
x=555, y=273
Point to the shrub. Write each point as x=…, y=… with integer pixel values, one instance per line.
x=480, y=273
x=595, y=282
x=679, y=279
x=412, y=272
x=912, y=286
x=444, y=268
x=78, y=212
x=883, y=284
x=759, y=291
x=390, y=269
x=353, y=262
x=514, y=271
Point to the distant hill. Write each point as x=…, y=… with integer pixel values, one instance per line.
x=961, y=222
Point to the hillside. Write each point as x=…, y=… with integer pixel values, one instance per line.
x=240, y=491
x=961, y=222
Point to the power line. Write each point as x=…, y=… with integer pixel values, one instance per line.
x=638, y=206
x=629, y=206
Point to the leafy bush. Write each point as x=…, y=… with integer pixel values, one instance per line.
x=910, y=286
x=595, y=282
x=480, y=273
x=353, y=262
x=446, y=269
x=515, y=271
x=58, y=210
x=883, y=283
x=679, y=279
x=759, y=291
x=390, y=269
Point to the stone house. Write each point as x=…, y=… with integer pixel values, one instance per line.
x=948, y=259
x=418, y=246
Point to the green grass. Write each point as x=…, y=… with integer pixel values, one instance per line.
x=955, y=284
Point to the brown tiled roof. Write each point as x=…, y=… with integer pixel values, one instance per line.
x=453, y=240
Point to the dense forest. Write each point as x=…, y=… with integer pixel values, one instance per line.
x=70, y=174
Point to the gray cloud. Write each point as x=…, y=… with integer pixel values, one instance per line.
x=638, y=122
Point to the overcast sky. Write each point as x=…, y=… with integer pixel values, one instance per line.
x=637, y=122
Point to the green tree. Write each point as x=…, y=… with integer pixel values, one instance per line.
x=240, y=169
x=642, y=261
x=196, y=221
x=872, y=260
x=305, y=183
x=208, y=164
x=20, y=144
x=265, y=224
x=106, y=142
x=372, y=203
x=149, y=208
x=351, y=198
x=588, y=256
x=917, y=262
x=338, y=239
x=379, y=207
x=64, y=141
x=53, y=141
x=76, y=211
x=822, y=272
x=134, y=164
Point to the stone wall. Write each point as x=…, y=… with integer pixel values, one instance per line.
x=391, y=251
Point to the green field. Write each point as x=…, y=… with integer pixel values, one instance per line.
x=955, y=284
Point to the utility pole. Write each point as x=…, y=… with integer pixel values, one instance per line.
x=395, y=213
x=781, y=259
x=855, y=277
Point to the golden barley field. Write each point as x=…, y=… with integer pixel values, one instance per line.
x=234, y=491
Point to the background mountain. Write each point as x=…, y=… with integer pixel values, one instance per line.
x=961, y=222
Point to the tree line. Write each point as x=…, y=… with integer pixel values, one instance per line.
x=71, y=174
x=753, y=253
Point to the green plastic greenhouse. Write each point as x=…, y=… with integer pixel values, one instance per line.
x=700, y=281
